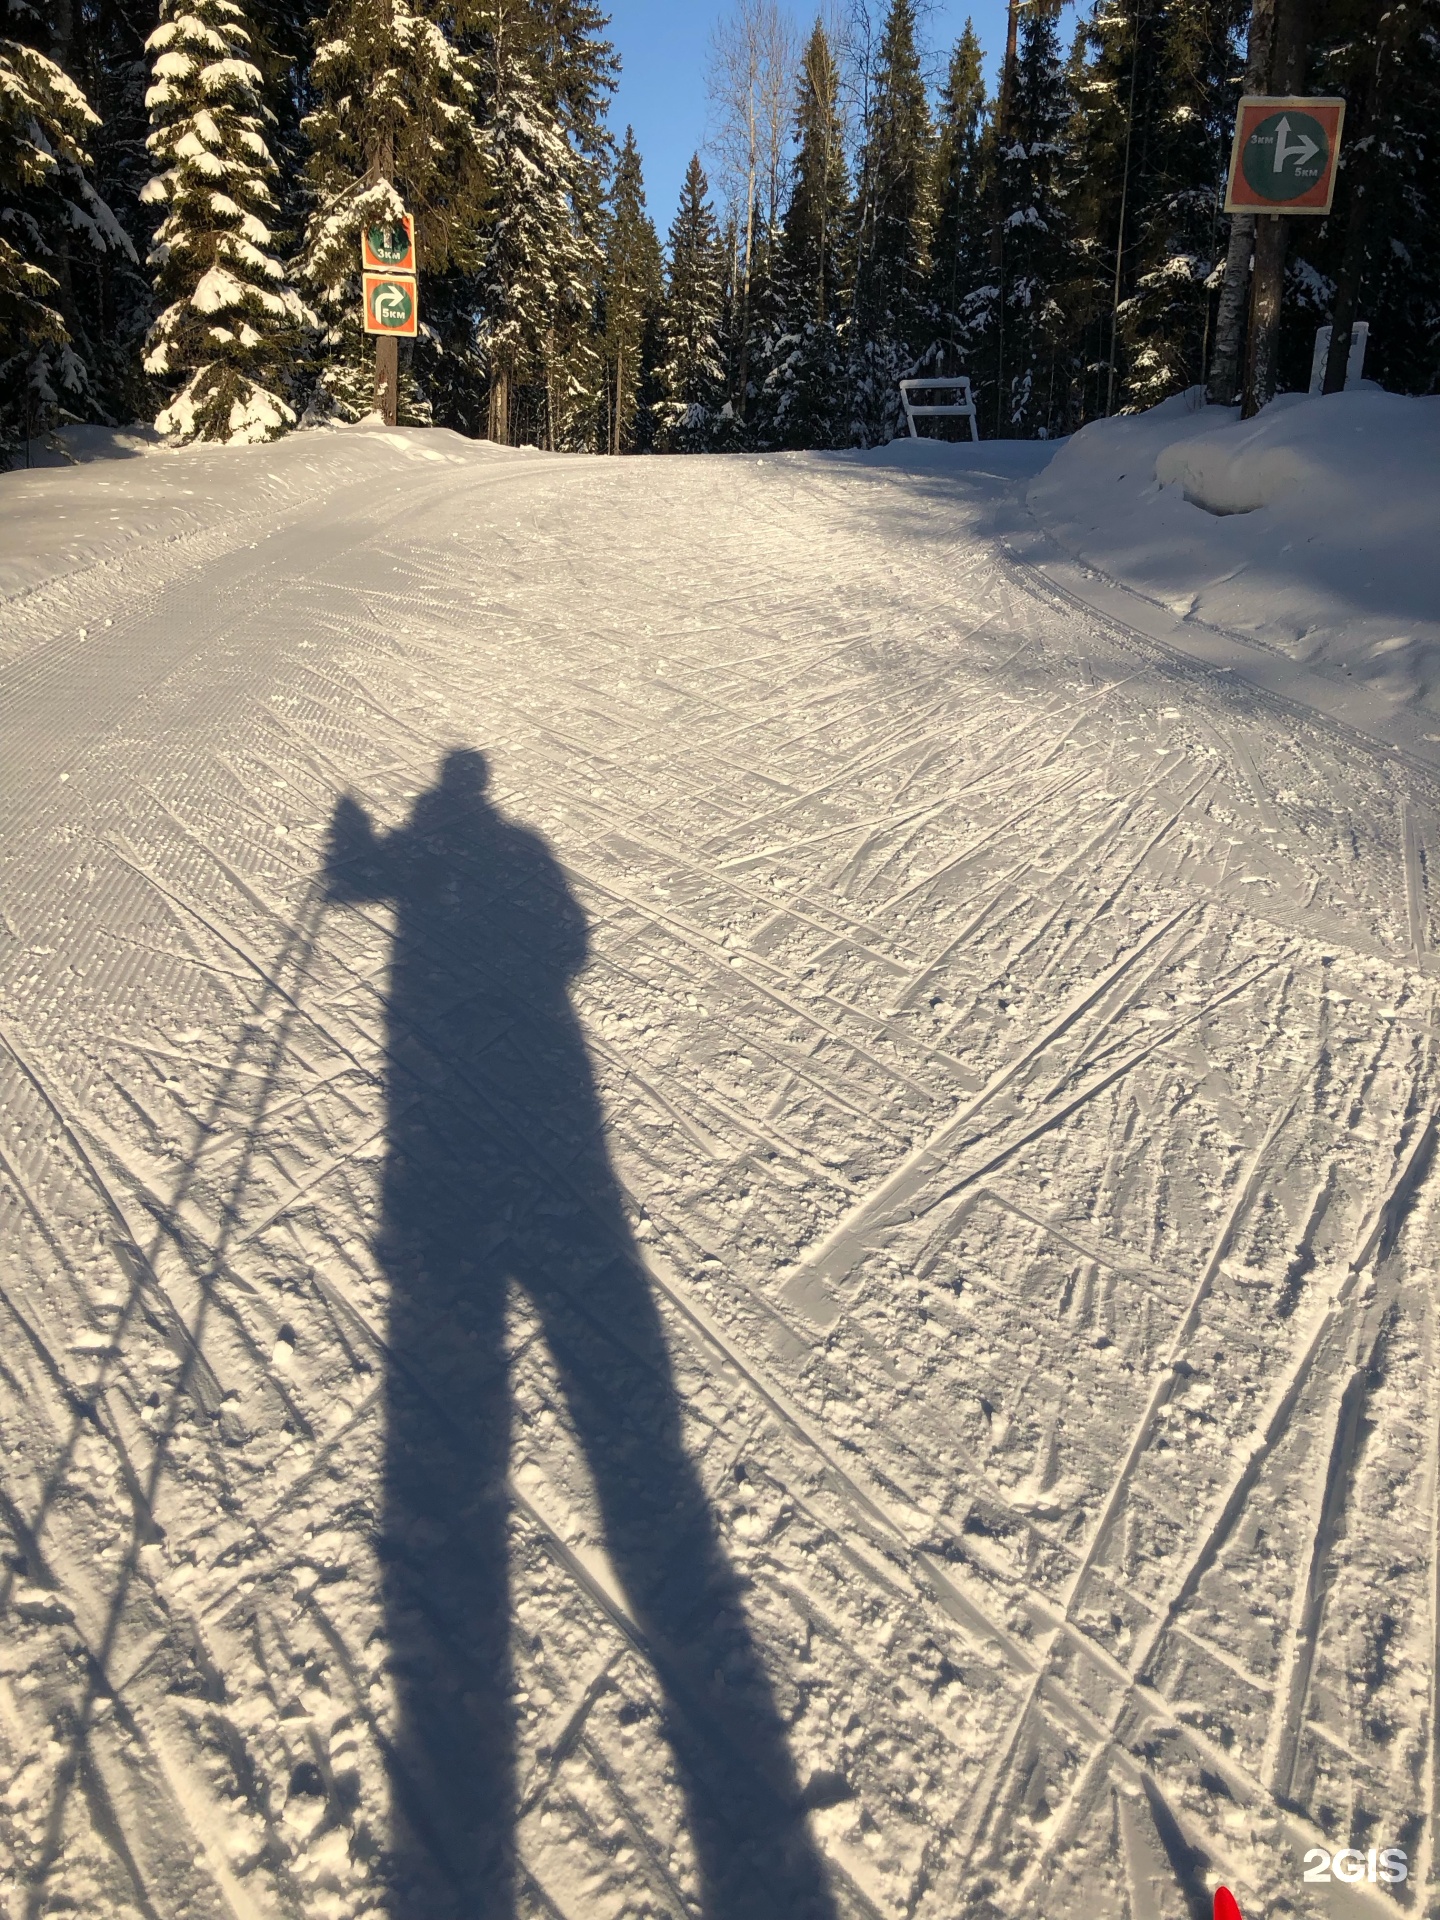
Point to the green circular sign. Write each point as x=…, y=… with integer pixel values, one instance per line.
x=1286, y=155
x=389, y=244
x=391, y=304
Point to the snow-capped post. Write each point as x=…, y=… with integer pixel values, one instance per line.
x=390, y=289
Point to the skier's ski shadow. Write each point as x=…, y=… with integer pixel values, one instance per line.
x=498, y=1175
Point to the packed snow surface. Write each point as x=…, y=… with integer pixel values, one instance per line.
x=1311, y=527
x=710, y=1204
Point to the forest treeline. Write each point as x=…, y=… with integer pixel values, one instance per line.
x=183, y=184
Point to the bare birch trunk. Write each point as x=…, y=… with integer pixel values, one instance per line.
x=1224, y=382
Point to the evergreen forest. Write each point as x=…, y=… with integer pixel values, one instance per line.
x=183, y=184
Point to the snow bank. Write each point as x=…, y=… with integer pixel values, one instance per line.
x=1312, y=528
x=76, y=507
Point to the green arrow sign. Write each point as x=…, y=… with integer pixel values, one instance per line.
x=1285, y=155
x=389, y=244
x=392, y=305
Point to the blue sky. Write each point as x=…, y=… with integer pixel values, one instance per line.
x=663, y=45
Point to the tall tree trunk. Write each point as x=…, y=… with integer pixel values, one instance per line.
x=1272, y=236
x=1007, y=75
x=1225, y=364
x=1272, y=231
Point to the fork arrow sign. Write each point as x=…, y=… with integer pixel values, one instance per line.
x=1301, y=149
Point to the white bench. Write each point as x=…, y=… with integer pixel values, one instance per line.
x=963, y=409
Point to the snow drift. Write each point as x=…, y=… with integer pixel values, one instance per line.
x=1311, y=528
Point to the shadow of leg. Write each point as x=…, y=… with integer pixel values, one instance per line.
x=446, y=1551
x=757, y=1861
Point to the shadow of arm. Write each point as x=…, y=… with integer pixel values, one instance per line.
x=356, y=866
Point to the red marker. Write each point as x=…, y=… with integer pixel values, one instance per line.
x=1226, y=1905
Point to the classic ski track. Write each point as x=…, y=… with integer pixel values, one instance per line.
x=900, y=773
x=1381, y=1223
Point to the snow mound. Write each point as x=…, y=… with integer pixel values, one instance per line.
x=1310, y=528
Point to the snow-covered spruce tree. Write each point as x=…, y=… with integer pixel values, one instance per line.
x=691, y=372
x=394, y=129
x=49, y=213
x=1015, y=325
x=230, y=328
x=960, y=251
x=894, y=209
x=579, y=70
x=541, y=258
x=803, y=398
x=632, y=284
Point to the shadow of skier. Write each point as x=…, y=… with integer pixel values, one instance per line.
x=498, y=1174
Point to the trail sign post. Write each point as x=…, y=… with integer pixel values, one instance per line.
x=392, y=303
x=1284, y=153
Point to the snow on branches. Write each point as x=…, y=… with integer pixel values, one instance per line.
x=48, y=210
x=232, y=321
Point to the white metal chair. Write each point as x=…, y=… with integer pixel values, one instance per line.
x=963, y=409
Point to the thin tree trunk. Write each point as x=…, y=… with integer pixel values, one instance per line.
x=500, y=406
x=744, y=374
x=387, y=347
x=550, y=354
x=1120, y=231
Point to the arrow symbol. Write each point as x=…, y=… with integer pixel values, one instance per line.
x=1302, y=148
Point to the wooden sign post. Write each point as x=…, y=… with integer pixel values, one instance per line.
x=392, y=304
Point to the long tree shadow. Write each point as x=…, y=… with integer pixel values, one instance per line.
x=498, y=1174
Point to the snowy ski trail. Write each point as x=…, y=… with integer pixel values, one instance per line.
x=1016, y=1048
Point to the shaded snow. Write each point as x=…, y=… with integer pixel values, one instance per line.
x=1311, y=527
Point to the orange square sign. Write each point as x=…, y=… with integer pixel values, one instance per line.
x=392, y=304
x=1283, y=159
x=388, y=246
